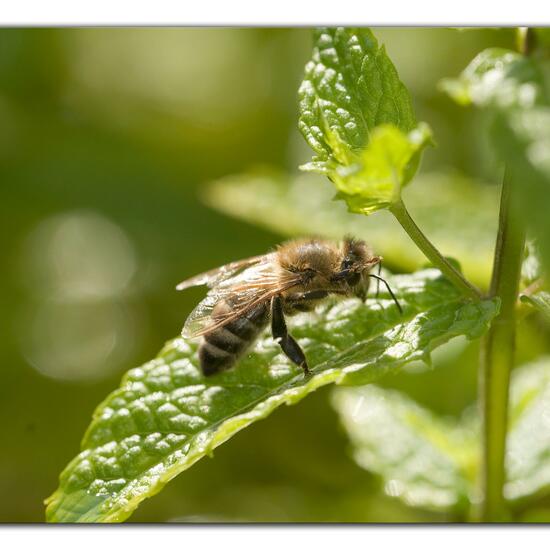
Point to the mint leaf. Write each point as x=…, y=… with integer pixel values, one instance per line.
x=514, y=90
x=498, y=78
x=350, y=87
x=531, y=269
x=357, y=116
x=522, y=140
x=300, y=205
x=539, y=300
x=433, y=462
x=166, y=415
x=528, y=444
x=388, y=163
x=424, y=460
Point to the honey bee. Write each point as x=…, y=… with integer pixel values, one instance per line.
x=246, y=295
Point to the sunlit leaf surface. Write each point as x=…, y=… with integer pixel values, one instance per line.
x=497, y=77
x=528, y=452
x=522, y=139
x=358, y=117
x=539, y=300
x=514, y=89
x=535, y=292
x=387, y=163
x=424, y=460
x=531, y=268
x=166, y=415
x=433, y=462
x=460, y=217
x=350, y=86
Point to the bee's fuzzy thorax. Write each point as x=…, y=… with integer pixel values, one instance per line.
x=309, y=254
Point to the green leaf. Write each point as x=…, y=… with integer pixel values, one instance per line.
x=514, y=89
x=499, y=78
x=432, y=462
x=350, y=86
x=539, y=300
x=522, y=140
x=357, y=116
x=166, y=415
x=295, y=206
x=531, y=269
x=426, y=461
x=388, y=163
x=535, y=293
x=528, y=444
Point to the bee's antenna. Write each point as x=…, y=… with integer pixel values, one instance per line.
x=389, y=290
x=378, y=280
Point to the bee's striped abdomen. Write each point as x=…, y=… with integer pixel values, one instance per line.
x=221, y=348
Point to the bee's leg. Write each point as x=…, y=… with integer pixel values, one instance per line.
x=280, y=334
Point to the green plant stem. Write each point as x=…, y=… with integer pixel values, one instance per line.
x=498, y=348
x=402, y=215
x=497, y=356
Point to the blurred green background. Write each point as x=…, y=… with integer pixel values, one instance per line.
x=107, y=138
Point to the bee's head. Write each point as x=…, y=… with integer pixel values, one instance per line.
x=323, y=265
x=356, y=261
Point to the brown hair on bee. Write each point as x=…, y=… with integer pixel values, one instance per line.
x=323, y=265
x=246, y=295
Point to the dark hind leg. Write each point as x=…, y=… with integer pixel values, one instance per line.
x=280, y=334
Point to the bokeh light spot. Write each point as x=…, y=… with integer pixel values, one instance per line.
x=77, y=324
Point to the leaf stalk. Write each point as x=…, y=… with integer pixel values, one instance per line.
x=402, y=215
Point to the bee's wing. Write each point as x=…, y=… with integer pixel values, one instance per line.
x=248, y=289
x=217, y=275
